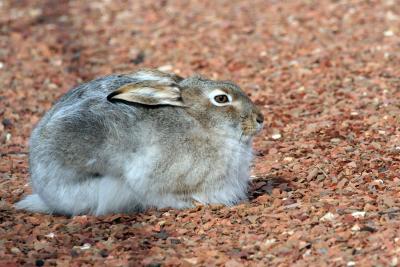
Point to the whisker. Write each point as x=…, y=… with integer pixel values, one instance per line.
x=241, y=135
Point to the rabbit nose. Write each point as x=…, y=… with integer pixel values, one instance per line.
x=260, y=118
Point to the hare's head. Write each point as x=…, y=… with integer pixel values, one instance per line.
x=220, y=106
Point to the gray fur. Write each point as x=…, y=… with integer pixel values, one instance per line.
x=89, y=155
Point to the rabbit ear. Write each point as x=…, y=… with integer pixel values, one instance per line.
x=148, y=93
x=154, y=75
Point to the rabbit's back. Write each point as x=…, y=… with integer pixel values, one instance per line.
x=84, y=125
x=88, y=134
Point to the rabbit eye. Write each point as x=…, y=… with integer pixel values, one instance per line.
x=221, y=99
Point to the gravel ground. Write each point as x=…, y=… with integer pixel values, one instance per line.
x=325, y=185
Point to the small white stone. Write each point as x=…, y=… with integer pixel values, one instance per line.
x=388, y=33
x=35, y=12
x=358, y=214
x=52, y=86
x=378, y=182
x=1, y=65
x=270, y=241
x=351, y=263
x=328, y=217
x=355, y=228
x=288, y=159
x=85, y=246
x=15, y=250
x=276, y=136
x=50, y=235
x=165, y=68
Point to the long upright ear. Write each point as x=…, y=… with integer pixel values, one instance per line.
x=148, y=93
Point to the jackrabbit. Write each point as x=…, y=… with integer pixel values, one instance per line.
x=123, y=143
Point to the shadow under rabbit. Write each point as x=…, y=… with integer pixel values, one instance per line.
x=262, y=185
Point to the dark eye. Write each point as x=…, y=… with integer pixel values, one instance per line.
x=221, y=99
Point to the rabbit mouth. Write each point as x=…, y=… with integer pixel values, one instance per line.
x=252, y=130
x=248, y=134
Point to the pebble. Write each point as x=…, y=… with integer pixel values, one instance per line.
x=15, y=250
x=50, y=235
x=355, y=228
x=328, y=217
x=85, y=246
x=288, y=159
x=276, y=136
x=335, y=140
x=165, y=68
x=358, y=214
x=388, y=33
